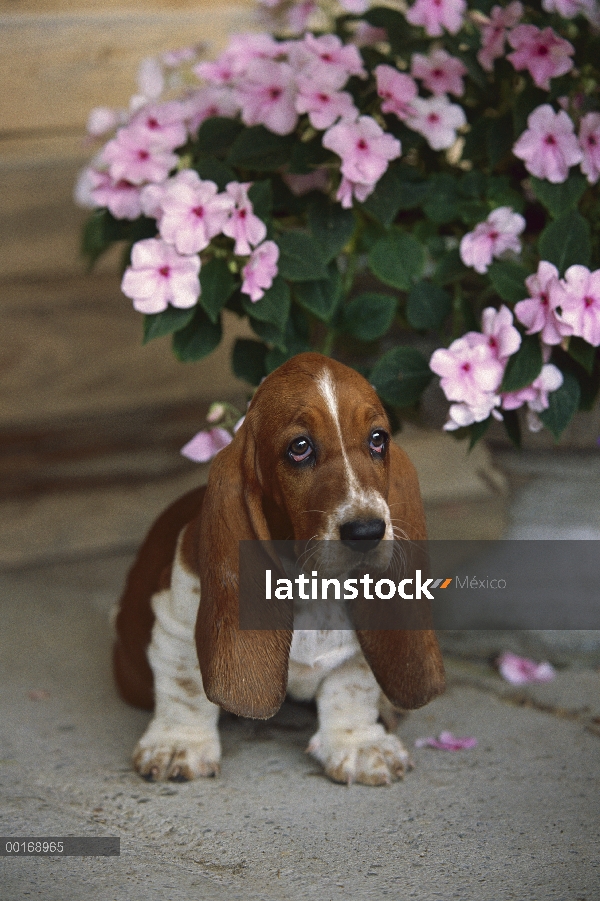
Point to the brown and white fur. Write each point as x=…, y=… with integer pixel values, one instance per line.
x=179, y=648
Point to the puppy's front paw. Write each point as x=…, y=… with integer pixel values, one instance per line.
x=369, y=756
x=178, y=759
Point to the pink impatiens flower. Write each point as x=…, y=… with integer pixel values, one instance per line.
x=538, y=311
x=397, y=91
x=162, y=124
x=536, y=394
x=159, y=276
x=206, y=444
x=493, y=33
x=260, y=270
x=97, y=189
x=267, y=96
x=446, y=741
x=543, y=53
x=327, y=61
x=435, y=15
x=589, y=140
x=101, y=120
x=521, y=670
x=437, y=120
x=503, y=338
x=209, y=101
x=568, y=9
x=470, y=373
x=579, y=303
x=134, y=157
x=549, y=146
x=243, y=226
x=365, y=150
x=492, y=238
x=439, y=72
x=323, y=104
x=193, y=212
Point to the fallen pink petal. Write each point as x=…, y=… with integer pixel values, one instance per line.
x=446, y=741
x=38, y=694
x=521, y=670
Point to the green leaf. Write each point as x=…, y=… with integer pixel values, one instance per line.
x=563, y=405
x=401, y=376
x=397, y=259
x=524, y=366
x=450, y=268
x=444, y=198
x=583, y=353
x=259, y=149
x=427, y=306
x=198, y=339
x=499, y=139
x=216, y=135
x=214, y=170
x=306, y=156
x=248, y=360
x=268, y=332
x=273, y=308
x=217, y=285
x=320, y=297
x=395, y=24
x=261, y=196
x=102, y=230
x=331, y=226
x=384, y=202
x=157, y=325
x=566, y=241
x=512, y=425
x=295, y=340
x=477, y=431
x=412, y=194
x=560, y=198
x=524, y=104
x=508, y=279
x=369, y=316
x=300, y=257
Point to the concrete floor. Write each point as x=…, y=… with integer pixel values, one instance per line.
x=518, y=817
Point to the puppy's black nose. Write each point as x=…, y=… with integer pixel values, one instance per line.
x=362, y=534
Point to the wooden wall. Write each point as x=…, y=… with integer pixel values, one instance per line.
x=70, y=344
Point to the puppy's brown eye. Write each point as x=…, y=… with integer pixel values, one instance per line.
x=300, y=449
x=378, y=442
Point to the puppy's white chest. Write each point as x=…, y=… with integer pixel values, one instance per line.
x=323, y=650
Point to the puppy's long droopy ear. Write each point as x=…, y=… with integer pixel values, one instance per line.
x=406, y=663
x=244, y=672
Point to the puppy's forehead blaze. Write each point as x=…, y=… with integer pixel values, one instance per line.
x=328, y=401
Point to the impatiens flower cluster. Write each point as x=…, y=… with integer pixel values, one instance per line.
x=441, y=151
x=191, y=212
x=558, y=308
x=471, y=371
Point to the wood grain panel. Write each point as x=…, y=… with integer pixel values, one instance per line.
x=72, y=348
x=55, y=67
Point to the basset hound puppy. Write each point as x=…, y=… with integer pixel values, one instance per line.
x=312, y=462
